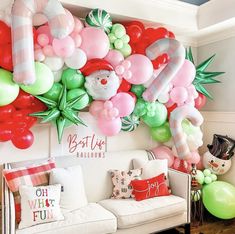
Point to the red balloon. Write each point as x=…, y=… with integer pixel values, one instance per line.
x=135, y=32
x=170, y=109
x=5, y=132
x=6, y=112
x=135, y=22
x=24, y=100
x=6, y=57
x=37, y=106
x=22, y=119
x=133, y=95
x=5, y=33
x=22, y=139
x=141, y=47
x=125, y=86
x=200, y=101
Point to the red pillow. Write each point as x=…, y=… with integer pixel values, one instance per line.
x=153, y=187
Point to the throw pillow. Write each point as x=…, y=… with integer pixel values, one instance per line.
x=151, y=168
x=121, y=181
x=34, y=175
x=73, y=194
x=153, y=187
x=39, y=205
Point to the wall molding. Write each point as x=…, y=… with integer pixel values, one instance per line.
x=220, y=117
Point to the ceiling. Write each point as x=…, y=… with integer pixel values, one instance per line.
x=195, y=2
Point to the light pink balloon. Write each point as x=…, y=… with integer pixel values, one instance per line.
x=43, y=39
x=110, y=127
x=63, y=47
x=163, y=152
x=95, y=42
x=39, y=19
x=195, y=158
x=48, y=51
x=141, y=69
x=78, y=25
x=96, y=107
x=114, y=57
x=185, y=75
x=124, y=103
x=45, y=30
x=179, y=95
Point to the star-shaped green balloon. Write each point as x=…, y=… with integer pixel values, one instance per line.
x=202, y=77
x=60, y=111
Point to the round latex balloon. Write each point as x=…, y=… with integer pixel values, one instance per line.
x=63, y=47
x=219, y=199
x=54, y=63
x=161, y=133
x=8, y=89
x=95, y=43
x=163, y=152
x=44, y=80
x=77, y=60
x=110, y=127
x=83, y=102
x=72, y=78
x=23, y=139
x=54, y=92
x=114, y=57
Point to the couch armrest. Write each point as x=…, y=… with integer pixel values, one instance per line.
x=8, y=208
x=180, y=184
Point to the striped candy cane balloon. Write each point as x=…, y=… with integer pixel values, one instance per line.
x=177, y=55
x=179, y=138
x=22, y=35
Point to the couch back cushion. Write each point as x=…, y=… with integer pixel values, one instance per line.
x=97, y=179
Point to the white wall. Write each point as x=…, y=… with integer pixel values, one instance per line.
x=223, y=93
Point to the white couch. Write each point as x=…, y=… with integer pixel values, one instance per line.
x=104, y=215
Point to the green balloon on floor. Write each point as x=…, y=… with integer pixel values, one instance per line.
x=219, y=199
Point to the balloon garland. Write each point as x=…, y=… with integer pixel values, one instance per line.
x=124, y=73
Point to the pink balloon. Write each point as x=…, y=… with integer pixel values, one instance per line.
x=185, y=75
x=45, y=30
x=163, y=152
x=114, y=57
x=43, y=39
x=95, y=42
x=110, y=127
x=39, y=19
x=200, y=165
x=195, y=158
x=179, y=95
x=124, y=103
x=96, y=107
x=141, y=69
x=48, y=51
x=63, y=47
x=78, y=25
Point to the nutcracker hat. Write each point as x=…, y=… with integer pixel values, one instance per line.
x=94, y=65
x=222, y=147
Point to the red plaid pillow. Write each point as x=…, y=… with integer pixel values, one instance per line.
x=34, y=175
x=153, y=187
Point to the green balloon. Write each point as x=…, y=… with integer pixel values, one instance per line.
x=44, y=80
x=140, y=108
x=8, y=89
x=83, y=102
x=125, y=50
x=159, y=117
x=137, y=90
x=219, y=199
x=161, y=133
x=54, y=92
x=72, y=78
x=200, y=177
x=188, y=128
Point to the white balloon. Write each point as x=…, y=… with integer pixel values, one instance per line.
x=77, y=60
x=58, y=75
x=54, y=63
x=164, y=97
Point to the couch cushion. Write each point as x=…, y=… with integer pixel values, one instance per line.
x=130, y=212
x=92, y=218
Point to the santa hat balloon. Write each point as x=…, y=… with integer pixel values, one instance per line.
x=101, y=82
x=218, y=158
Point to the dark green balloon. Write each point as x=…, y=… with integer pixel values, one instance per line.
x=72, y=78
x=83, y=102
x=140, y=107
x=158, y=118
x=54, y=92
x=162, y=133
x=137, y=90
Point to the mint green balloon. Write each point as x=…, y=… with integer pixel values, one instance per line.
x=200, y=177
x=44, y=80
x=219, y=199
x=83, y=102
x=72, y=78
x=8, y=89
x=188, y=128
x=54, y=92
x=161, y=133
x=140, y=108
x=137, y=90
x=159, y=117
x=126, y=50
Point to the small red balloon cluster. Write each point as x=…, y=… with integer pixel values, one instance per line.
x=141, y=38
x=15, y=122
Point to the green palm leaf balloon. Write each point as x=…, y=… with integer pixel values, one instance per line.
x=202, y=77
x=60, y=111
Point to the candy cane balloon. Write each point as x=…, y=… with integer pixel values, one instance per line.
x=22, y=35
x=177, y=55
x=179, y=138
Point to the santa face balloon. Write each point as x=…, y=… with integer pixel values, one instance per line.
x=102, y=85
x=216, y=165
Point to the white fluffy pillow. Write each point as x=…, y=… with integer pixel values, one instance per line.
x=39, y=205
x=73, y=194
x=151, y=168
